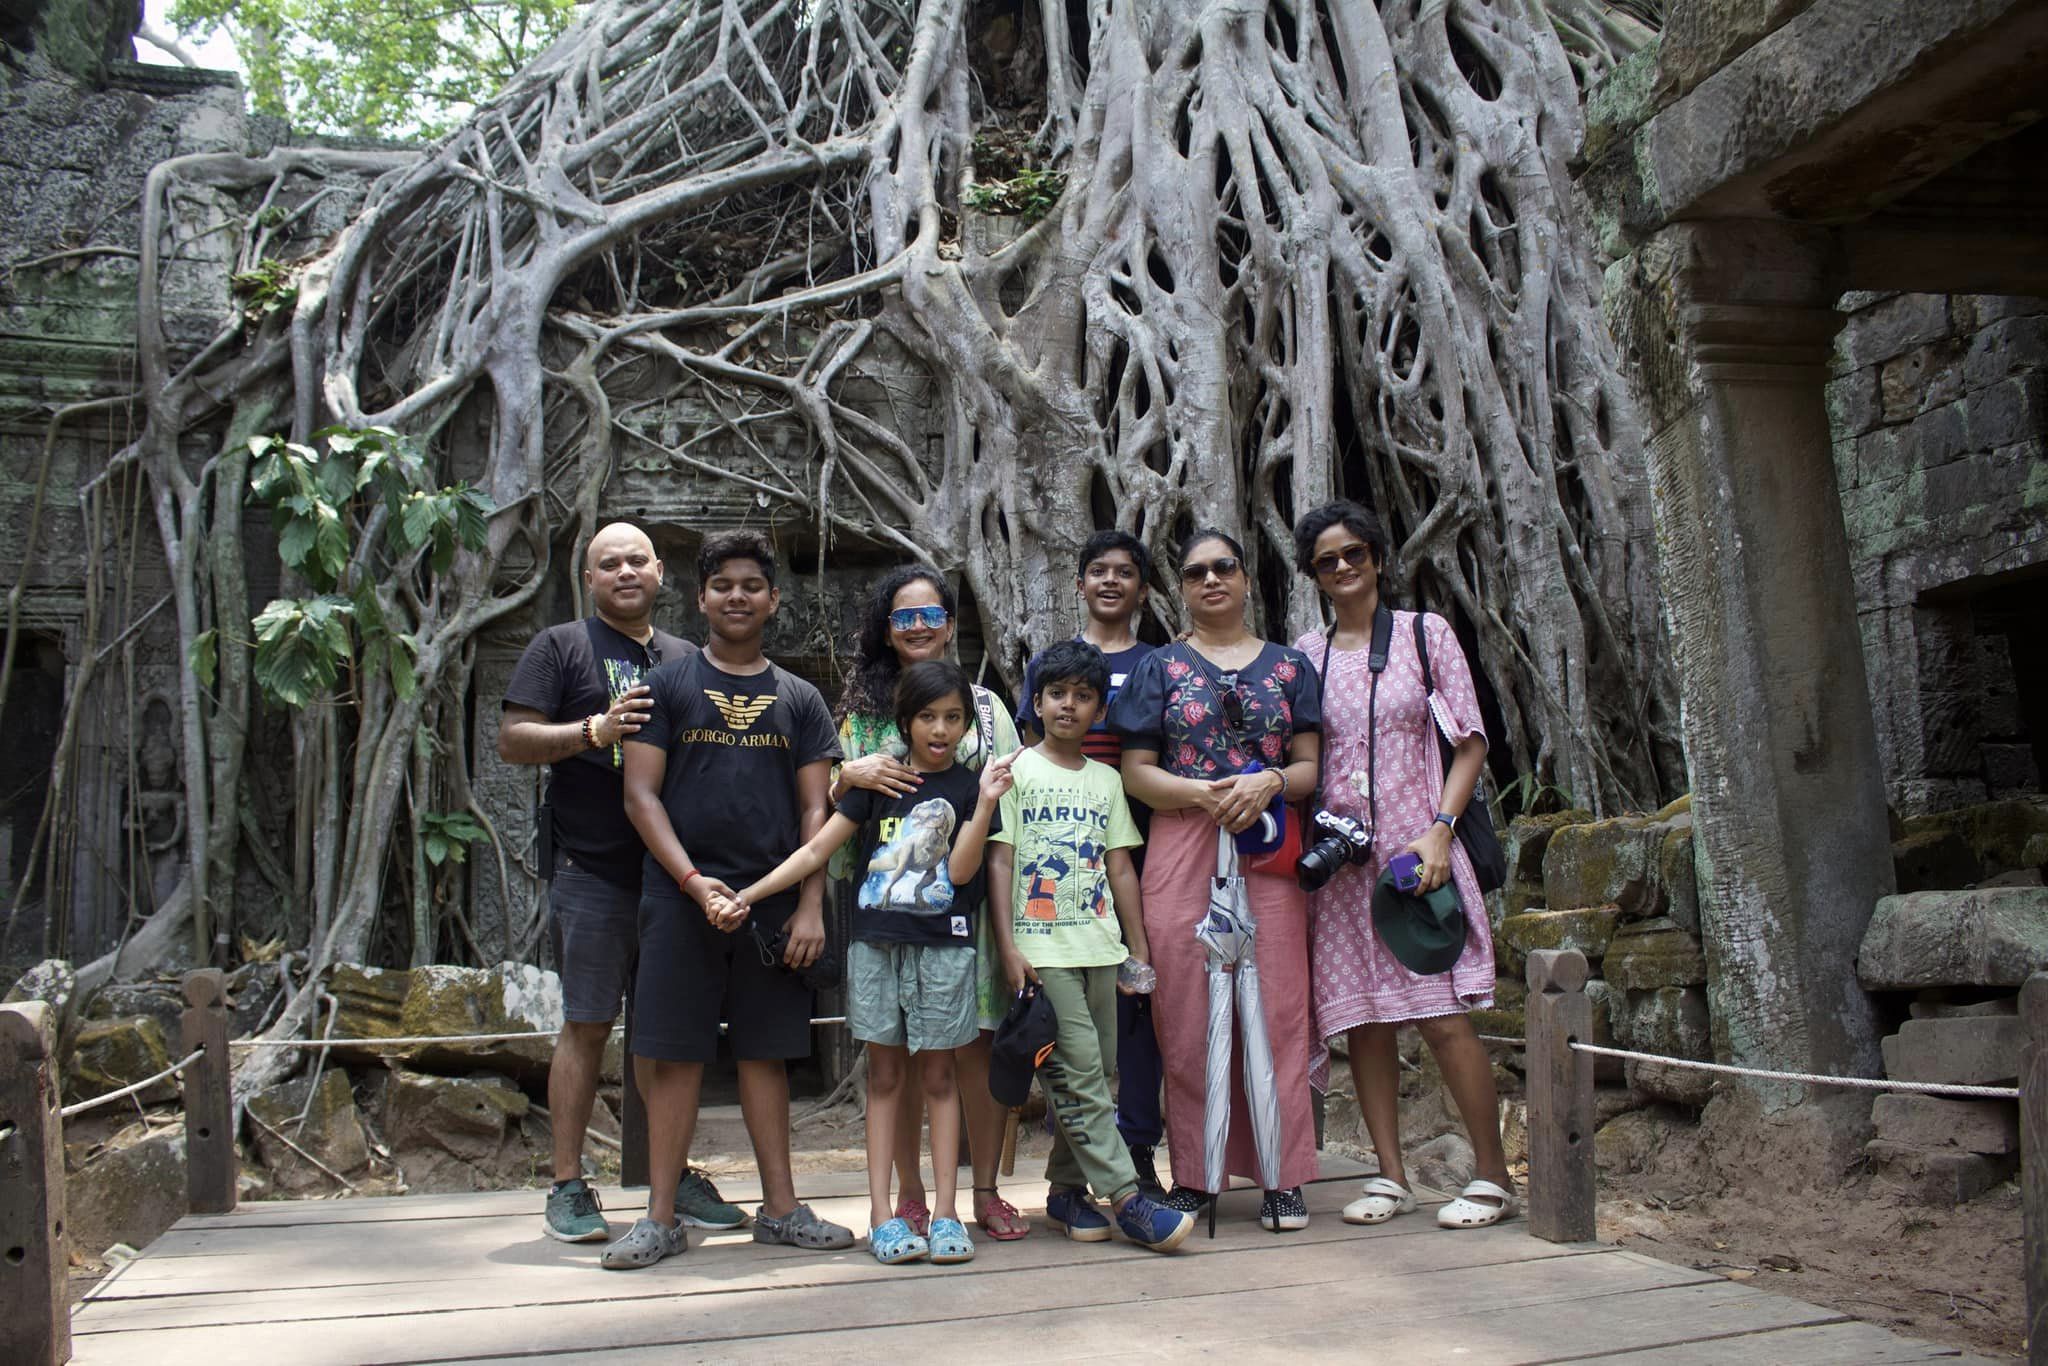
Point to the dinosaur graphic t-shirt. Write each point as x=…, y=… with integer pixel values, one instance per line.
x=907, y=895
x=734, y=742
x=1062, y=823
x=575, y=670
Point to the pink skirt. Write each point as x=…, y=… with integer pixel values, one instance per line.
x=1180, y=860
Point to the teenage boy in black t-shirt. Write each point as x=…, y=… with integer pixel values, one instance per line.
x=575, y=696
x=1114, y=568
x=734, y=762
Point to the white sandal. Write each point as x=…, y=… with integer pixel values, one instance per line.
x=1383, y=1199
x=1465, y=1212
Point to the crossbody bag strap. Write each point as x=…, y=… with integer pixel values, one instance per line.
x=985, y=721
x=1422, y=654
x=1376, y=662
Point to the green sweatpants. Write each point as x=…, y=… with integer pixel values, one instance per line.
x=1087, y=1151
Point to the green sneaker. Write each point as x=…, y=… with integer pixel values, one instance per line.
x=573, y=1215
x=703, y=1207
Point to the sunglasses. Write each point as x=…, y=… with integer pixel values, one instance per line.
x=1233, y=707
x=1355, y=555
x=1223, y=567
x=910, y=618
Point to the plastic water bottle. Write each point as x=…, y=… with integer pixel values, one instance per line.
x=1137, y=976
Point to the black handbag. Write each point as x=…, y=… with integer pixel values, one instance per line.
x=1475, y=828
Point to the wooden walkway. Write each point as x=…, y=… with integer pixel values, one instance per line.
x=470, y=1278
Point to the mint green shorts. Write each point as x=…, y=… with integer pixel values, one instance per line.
x=914, y=996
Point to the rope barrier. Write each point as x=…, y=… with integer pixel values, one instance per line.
x=1926, y=1088
x=415, y=1040
x=110, y=1097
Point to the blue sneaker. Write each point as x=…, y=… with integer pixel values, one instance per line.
x=1149, y=1224
x=1075, y=1215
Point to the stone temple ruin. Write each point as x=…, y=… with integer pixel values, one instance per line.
x=1828, y=278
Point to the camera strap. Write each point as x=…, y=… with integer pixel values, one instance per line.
x=1376, y=664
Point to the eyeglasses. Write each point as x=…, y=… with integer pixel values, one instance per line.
x=910, y=618
x=1223, y=567
x=1355, y=555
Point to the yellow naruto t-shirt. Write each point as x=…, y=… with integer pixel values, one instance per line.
x=1062, y=823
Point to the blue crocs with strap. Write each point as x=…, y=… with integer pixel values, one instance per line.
x=896, y=1242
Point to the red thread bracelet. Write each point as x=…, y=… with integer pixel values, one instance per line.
x=684, y=882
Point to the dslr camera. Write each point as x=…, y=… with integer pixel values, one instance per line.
x=1338, y=840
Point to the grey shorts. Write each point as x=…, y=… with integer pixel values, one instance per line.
x=597, y=927
x=914, y=996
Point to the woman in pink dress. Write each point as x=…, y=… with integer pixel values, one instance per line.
x=1194, y=716
x=1359, y=989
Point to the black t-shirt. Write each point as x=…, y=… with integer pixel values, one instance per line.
x=734, y=742
x=907, y=894
x=575, y=670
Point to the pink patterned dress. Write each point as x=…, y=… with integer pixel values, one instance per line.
x=1354, y=979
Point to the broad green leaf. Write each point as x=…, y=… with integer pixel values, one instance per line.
x=204, y=657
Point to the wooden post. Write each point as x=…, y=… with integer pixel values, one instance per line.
x=35, y=1307
x=633, y=1114
x=1561, y=1180
x=2034, y=1161
x=212, y=1169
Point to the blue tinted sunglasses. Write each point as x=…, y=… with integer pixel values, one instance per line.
x=910, y=618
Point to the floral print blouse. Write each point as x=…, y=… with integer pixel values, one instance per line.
x=1173, y=704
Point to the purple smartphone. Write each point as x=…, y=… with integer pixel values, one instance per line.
x=1407, y=871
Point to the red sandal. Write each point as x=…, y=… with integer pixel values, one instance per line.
x=997, y=1217
x=916, y=1214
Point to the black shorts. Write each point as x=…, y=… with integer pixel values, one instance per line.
x=597, y=936
x=692, y=976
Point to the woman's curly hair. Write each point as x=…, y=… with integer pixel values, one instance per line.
x=871, y=684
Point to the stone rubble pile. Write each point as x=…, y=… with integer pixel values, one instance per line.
x=1968, y=927
x=369, y=1120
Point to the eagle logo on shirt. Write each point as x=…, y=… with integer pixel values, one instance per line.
x=741, y=711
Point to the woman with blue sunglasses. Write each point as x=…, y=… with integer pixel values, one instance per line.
x=911, y=618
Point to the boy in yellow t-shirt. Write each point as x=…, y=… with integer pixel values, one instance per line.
x=1063, y=902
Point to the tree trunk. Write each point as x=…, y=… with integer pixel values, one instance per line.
x=1303, y=248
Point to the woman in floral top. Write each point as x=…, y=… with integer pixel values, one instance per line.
x=1194, y=716
x=910, y=618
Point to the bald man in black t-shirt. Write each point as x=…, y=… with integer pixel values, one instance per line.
x=573, y=700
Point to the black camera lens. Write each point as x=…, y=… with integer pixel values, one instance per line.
x=1320, y=863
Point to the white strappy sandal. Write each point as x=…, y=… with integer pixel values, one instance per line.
x=1466, y=1212
x=1383, y=1198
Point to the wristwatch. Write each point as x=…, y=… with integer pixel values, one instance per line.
x=1448, y=819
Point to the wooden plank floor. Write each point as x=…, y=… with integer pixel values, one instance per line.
x=470, y=1278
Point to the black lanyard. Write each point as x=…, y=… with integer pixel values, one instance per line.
x=1376, y=664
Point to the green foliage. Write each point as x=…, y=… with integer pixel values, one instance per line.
x=300, y=646
x=323, y=504
x=204, y=657
x=1029, y=195
x=1528, y=795
x=265, y=289
x=446, y=835
x=376, y=68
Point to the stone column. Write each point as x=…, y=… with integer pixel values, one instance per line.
x=507, y=793
x=1730, y=324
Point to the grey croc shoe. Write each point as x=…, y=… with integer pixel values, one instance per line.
x=644, y=1244
x=801, y=1228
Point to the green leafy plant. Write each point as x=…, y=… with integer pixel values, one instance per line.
x=322, y=498
x=1529, y=795
x=1030, y=194
x=445, y=836
x=265, y=288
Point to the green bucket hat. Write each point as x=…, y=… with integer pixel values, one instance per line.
x=1425, y=932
